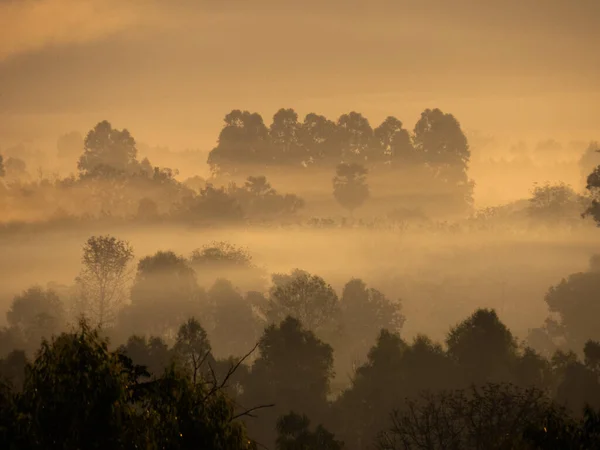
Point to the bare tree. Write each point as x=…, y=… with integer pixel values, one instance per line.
x=103, y=277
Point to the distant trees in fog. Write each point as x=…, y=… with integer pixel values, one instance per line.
x=555, y=203
x=437, y=146
x=350, y=187
x=195, y=360
x=102, y=281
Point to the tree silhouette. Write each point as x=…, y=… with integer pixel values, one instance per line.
x=193, y=349
x=108, y=151
x=318, y=137
x=555, y=203
x=483, y=346
x=294, y=434
x=593, y=186
x=440, y=141
x=490, y=417
x=395, y=143
x=243, y=140
x=77, y=394
x=574, y=303
x=306, y=297
x=153, y=353
x=355, y=136
x=164, y=294
x=292, y=371
x=2, y=170
x=366, y=311
x=349, y=185
x=36, y=313
x=229, y=311
x=103, y=277
x=284, y=134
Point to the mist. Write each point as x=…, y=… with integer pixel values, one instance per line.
x=299, y=225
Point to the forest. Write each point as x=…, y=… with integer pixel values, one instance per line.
x=326, y=285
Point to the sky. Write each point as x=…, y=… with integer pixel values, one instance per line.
x=169, y=71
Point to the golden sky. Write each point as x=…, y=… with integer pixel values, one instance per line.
x=169, y=70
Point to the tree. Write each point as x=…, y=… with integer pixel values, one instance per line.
x=593, y=186
x=77, y=394
x=222, y=259
x=404, y=370
x=107, y=151
x=37, y=314
x=294, y=434
x=164, y=294
x=483, y=346
x=574, y=305
x=557, y=430
x=193, y=348
x=242, y=141
x=490, y=417
x=2, y=170
x=284, y=137
x=212, y=205
x=258, y=198
x=317, y=135
x=589, y=160
x=235, y=327
x=293, y=371
x=355, y=136
x=349, y=185
x=366, y=311
x=394, y=143
x=442, y=145
x=103, y=278
x=555, y=203
x=153, y=353
x=15, y=168
x=306, y=297
x=147, y=209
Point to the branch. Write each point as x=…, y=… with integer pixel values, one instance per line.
x=249, y=412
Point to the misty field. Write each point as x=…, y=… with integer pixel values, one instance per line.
x=440, y=277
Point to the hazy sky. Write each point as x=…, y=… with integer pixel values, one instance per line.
x=169, y=70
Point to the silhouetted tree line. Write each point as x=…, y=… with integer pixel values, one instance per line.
x=112, y=182
x=436, y=152
x=175, y=366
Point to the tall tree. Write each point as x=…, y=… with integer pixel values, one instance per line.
x=37, y=314
x=394, y=143
x=284, y=137
x=103, y=278
x=317, y=135
x=355, y=136
x=307, y=298
x=574, y=302
x=193, y=349
x=350, y=188
x=593, y=186
x=107, y=151
x=444, y=146
x=366, y=311
x=293, y=433
x=244, y=140
x=484, y=347
x=293, y=371
x=164, y=294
